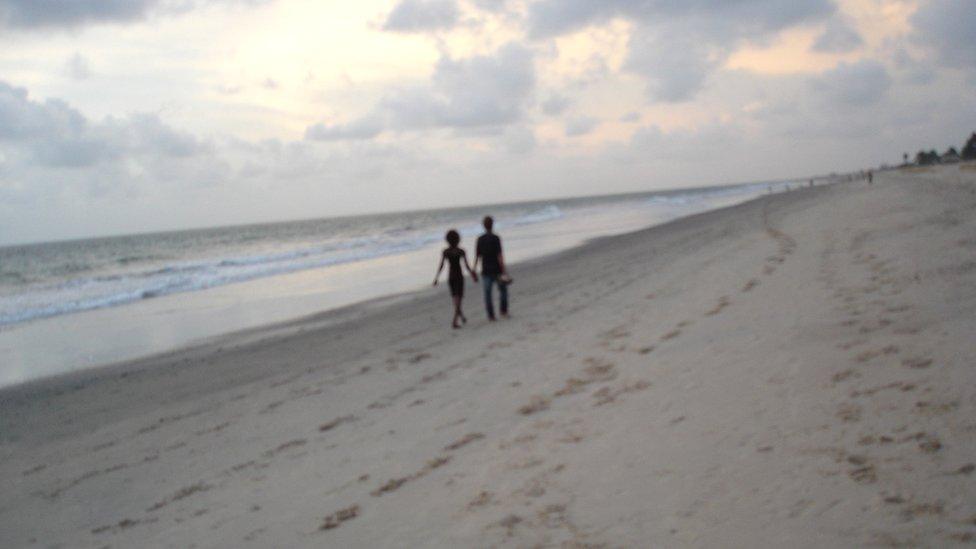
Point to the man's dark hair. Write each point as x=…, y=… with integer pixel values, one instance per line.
x=488, y=222
x=452, y=237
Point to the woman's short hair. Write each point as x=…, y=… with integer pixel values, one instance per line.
x=452, y=237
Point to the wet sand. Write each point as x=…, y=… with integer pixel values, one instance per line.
x=794, y=371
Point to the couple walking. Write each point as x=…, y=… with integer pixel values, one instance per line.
x=489, y=253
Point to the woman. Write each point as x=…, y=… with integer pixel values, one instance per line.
x=455, y=277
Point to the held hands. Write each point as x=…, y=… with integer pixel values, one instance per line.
x=474, y=276
x=435, y=282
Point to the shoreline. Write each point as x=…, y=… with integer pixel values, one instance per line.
x=108, y=314
x=789, y=371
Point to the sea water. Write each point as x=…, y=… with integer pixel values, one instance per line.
x=82, y=303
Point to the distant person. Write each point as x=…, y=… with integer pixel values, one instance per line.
x=870, y=177
x=454, y=256
x=489, y=253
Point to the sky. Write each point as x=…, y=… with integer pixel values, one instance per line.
x=123, y=116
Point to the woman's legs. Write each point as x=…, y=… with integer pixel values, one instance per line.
x=457, y=311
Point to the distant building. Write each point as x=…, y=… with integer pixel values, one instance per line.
x=950, y=156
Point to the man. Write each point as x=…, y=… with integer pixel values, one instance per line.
x=489, y=252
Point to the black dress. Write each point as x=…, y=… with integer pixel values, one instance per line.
x=455, y=278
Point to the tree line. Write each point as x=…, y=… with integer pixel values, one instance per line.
x=951, y=155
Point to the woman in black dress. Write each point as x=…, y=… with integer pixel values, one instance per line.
x=454, y=256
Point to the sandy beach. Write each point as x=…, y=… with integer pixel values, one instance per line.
x=795, y=371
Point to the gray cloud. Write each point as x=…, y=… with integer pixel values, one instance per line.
x=581, y=126
x=949, y=28
x=556, y=104
x=38, y=14
x=478, y=92
x=482, y=90
x=548, y=18
x=838, y=37
x=675, y=63
x=491, y=5
x=363, y=128
x=853, y=84
x=77, y=68
x=422, y=16
x=675, y=46
x=631, y=117
x=53, y=134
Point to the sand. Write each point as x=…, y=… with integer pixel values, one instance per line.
x=796, y=371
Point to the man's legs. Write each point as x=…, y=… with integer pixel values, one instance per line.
x=503, y=299
x=486, y=283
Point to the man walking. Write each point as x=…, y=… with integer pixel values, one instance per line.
x=489, y=252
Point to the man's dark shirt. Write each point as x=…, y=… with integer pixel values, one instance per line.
x=490, y=247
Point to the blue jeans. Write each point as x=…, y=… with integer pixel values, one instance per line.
x=487, y=281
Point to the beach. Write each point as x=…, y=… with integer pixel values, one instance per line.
x=793, y=371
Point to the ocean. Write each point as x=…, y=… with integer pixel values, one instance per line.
x=58, y=281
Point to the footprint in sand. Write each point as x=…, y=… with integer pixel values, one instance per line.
x=396, y=483
x=481, y=500
x=335, y=423
x=537, y=403
x=750, y=285
x=286, y=446
x=864, y=475
x=849, y=413
x=869, y=355
x=336, y=519
x=917, y=363
x=671, y=335
x=844, y=376
x=464, y=441
x=723, y=302
x=181, y=494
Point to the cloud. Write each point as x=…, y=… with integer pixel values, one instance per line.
x=52, y=134
x=631, y=117
x=363, y=128
x=581, y=126
x=674, y=63
x=76, y=67
x=675, y=46
x=39, y=14
x=838, y=37
x=474, y=93
x=949, y=28
x=422, y=16
x=853, y=84
x=712, y=140
x=494, y=6
x=481, y=90
x=556, y=104
x=549, y=18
